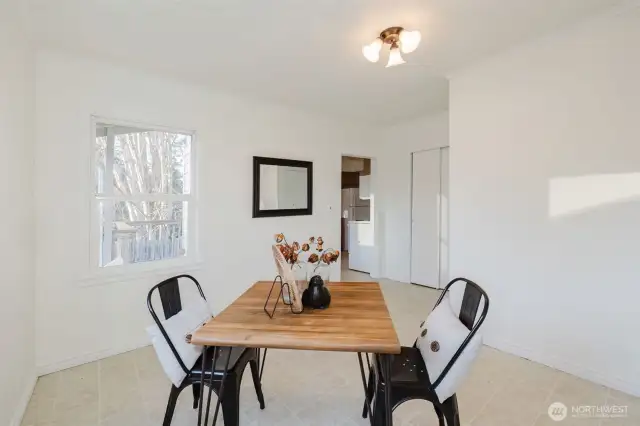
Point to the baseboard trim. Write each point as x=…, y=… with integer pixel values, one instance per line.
x=42, y=370
x=568, y=367
x=23, y=402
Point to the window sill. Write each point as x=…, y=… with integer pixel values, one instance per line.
x=143, y=271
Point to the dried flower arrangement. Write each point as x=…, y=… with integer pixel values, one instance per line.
x=311, y=252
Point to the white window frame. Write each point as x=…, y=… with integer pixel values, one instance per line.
x=187, y=263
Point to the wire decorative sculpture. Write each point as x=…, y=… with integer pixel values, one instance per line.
x=287, y=281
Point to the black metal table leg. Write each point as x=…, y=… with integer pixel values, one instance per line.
x=213, y=369
x=386, y=368
x=264, y=357
x=221, y=392
x=211, y=380
x=364, y=384
x=202, y=381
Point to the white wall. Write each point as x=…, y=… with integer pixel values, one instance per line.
x=77, y=322
x=545, y=197
x=392, y=188
x=17, y=365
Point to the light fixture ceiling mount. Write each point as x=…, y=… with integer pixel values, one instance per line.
x=399, y=39
x=391, y=35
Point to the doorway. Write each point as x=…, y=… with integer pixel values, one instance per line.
x=430, y=217
x=356, y=222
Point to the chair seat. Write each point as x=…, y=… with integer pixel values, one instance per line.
x=223, y=352
x=408, y=368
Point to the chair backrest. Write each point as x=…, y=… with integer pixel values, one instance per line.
x=169, y=291
x=471, y=300
x=473, y=296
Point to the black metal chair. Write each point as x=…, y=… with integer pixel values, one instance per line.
x=409, y=376
x=169, y=292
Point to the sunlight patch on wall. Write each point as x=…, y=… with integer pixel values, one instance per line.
x=577, y=194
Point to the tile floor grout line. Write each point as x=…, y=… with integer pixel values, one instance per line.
x=99, y=368
x=485, y=405
x=606, y=401
x=549, y=395
x=56, y=397
x=143, y=401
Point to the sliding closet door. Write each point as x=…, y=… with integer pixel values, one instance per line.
x=425, y=234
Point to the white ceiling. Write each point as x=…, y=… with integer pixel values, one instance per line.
x=303, y=53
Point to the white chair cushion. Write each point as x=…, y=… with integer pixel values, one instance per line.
x=178, y=327
x=444, y=335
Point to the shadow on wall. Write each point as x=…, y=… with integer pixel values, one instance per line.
x=578, y=194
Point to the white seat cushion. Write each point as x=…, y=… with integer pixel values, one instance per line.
x=178, y=327
x=441, y=336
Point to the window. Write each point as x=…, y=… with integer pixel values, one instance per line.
x=143, y=193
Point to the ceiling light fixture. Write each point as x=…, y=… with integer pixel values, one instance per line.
x=399, y=39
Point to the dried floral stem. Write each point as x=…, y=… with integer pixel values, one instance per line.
x=326, y=256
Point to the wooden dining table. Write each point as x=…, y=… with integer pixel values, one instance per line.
x=357, y=321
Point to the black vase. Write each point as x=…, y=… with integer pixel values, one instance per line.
x=317, y=296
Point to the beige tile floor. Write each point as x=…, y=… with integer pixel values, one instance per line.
x=316, y=388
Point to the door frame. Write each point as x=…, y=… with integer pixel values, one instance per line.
x=411, y=156
x=375, y=269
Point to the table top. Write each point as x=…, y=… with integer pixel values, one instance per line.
x=356, y=321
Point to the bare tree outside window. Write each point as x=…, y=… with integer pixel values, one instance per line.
x=143, y=188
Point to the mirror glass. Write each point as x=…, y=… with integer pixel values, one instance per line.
x=283, y=187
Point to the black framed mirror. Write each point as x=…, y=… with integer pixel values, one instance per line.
x=282, y=187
